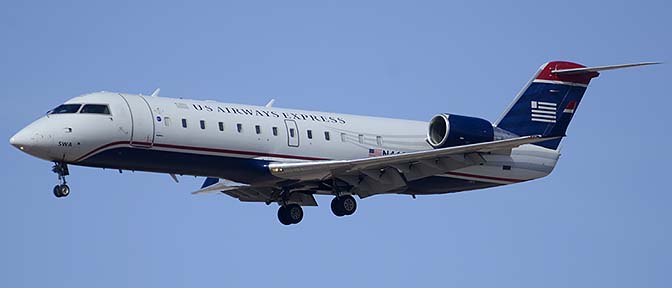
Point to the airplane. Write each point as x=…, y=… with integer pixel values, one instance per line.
x=284, y=156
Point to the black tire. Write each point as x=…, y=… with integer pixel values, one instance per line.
x=65, y=190
x=283, y=217
x=294, y=213
x=57, y=191
x=348, y=205
x=336, y=207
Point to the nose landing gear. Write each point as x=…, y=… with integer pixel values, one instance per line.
x=61, y=190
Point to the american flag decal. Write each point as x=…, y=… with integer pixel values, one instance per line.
x=375, y=152
x=544, y=111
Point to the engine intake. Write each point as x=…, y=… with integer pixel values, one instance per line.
x=446, y=130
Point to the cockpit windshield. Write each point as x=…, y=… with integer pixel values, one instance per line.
x=95, y=109
x=87, y=109
x=65, y=108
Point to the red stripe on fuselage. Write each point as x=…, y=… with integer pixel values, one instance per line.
x=202, y=149
x=101, y=148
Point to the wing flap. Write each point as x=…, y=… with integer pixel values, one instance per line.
x=247, y=193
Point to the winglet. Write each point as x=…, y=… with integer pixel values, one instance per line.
x=156, y=92
x=584, y=70
x=270, y=103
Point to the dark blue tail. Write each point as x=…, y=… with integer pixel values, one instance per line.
x=547, y=103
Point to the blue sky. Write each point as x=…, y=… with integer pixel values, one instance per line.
x=601, y=219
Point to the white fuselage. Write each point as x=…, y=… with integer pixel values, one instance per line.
x=237, y=142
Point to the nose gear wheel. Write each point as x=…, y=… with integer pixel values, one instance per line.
x=61, y=190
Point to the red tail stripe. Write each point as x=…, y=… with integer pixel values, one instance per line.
x=546, y=74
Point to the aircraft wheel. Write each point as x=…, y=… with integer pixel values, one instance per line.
x=335, y=207
x=61, y=191
x=348, y=204
x=294, y=213
x=282, y=216
x=344, y=205
x=64, y=190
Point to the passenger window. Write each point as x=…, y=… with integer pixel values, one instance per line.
x=184, y=123
x=65, y=109
x=291, y=132
x=343, y=137
x=95, y=109
x=326, y=136
x=275, y=131
x=239, y=126
x=379, y=140
x=202, y=124
x=221, y=126
x=361, y=138
x=257, y=129
x=310, y=134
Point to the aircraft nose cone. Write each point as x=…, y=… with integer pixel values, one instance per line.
x=20, y=140
x=36, y=140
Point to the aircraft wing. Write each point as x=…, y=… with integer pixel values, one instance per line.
x=247, y=193
x=385, y=174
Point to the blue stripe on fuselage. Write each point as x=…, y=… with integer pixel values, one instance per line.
x=243, y=170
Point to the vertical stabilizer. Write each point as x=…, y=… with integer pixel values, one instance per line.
x=548, y=102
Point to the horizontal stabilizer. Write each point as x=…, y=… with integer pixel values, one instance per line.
x=598, y=68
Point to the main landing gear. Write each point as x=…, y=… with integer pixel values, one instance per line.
x=343, y=205
x=61, y=190
x=290, y=214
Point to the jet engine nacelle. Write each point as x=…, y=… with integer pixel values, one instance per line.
x=446, y=130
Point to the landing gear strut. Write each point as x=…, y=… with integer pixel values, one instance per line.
x=61, y=190
x=290, y=214
x=343, y=205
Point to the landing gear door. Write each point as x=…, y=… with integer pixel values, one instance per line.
x=142, y=120
x=292, y=133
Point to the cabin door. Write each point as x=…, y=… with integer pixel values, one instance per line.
x=292, y=133
x=142, y=120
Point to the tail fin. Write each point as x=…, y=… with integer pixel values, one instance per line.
x=547, y=103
